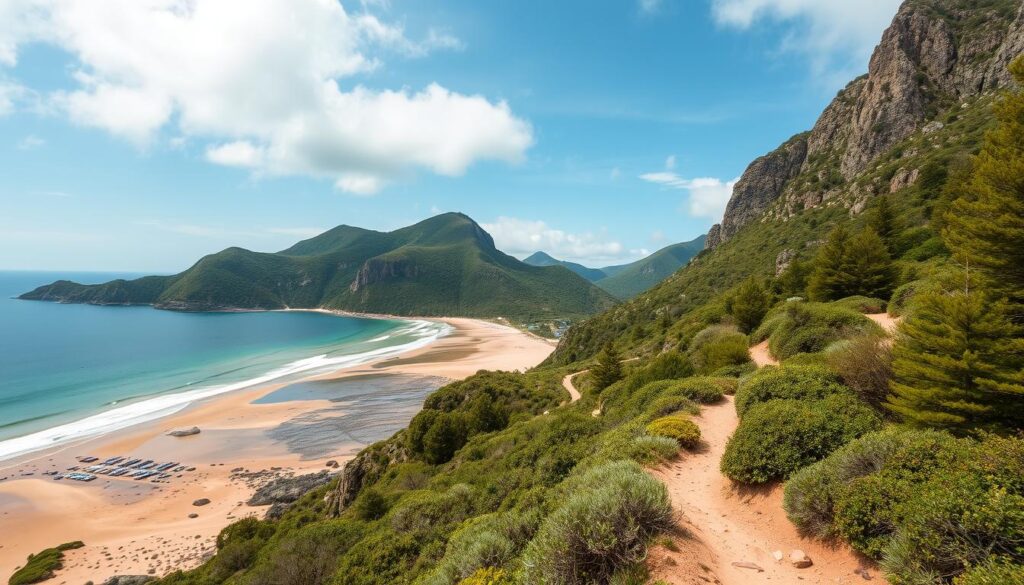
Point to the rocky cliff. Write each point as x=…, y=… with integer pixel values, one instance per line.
x=937, y=55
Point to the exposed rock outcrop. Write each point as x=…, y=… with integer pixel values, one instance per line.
x=380, y=269
x=285, y=490
x=759, y=187
x=184, y=432
x=367, y=467
x=936, y=55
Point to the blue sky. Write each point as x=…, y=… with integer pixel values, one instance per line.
x=141, y=134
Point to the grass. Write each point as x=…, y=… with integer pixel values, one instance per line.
x=42, y=565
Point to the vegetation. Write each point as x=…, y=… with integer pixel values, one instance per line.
x=678, y=427
x=749, y=305
x=626, y=282
x=41, y=566
x=849, y=265
x=929, y=505
x=445, y=265
x=787, y=382
x=608, y=369
x=778, y=437
x=798, y=327
x=718, y=347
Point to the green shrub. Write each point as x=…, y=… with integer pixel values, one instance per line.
x=865, y=365
x=678, y=427
x=996, y=571
x=718, y=347
x=603, y=527
x=309, y=555
x=799, y=327
x=701, y=389
x=669, y=365
x=790, y=382
x=42, y=565
x=862, y=304
x=667, y=405
x=778, y=437
x=485, y=542
x=901, y=298
x=426, y=509
x=488, y=576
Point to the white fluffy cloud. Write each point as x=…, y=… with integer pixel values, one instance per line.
x=707, y=195
x=521, y=237
x=837, y=35
x=264, y=81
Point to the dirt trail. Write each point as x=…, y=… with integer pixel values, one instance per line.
x=730, y=524
x=574, y=394
x=762, y=356
x=887, y=322
x=727, y=524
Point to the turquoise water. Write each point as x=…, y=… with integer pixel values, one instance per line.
x=72, y=371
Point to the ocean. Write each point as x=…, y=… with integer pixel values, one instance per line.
x=69, y=372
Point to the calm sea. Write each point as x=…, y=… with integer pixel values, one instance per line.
x=73, y=371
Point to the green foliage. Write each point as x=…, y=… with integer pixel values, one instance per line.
x=787, y=382
x=608, y=368
x=41, y=566
x=956, y=364
x=798, y=327
x=862, y=304
x=852, y=265
x=678, y=427
x=718, y=347
x=749, y=305
x=985, y=226
x=883, y=221
x=927, y=504
x=864, y=364
x=779, y=437
x=488, y=576
x=995, y=571
x=602, y=528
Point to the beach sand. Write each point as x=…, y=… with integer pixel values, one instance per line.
x=138, y=527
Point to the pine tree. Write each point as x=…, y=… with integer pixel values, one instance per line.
x=985, y=226
x=953, y=364
x=793, y=280
x=829, y=279
x=749, y=305
x=608, y=369
x=847, y=266
x=869, y=263
x=882, y=219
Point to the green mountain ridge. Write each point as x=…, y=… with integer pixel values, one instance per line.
x=625, y=281
x=445, y=265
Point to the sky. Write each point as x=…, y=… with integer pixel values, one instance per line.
x=139, y=135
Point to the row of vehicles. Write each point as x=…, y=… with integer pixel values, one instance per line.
x=124, y=467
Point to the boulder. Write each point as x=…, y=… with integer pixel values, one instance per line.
x=184, y=432
x=332, y=464
x=286, y=490
x=799, y=559
x=201, y=502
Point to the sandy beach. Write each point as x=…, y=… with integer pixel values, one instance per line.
x=140, y=527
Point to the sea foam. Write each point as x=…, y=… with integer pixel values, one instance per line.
x=416, y=334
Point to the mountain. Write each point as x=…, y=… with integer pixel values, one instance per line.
x=625, y=281
x=543, y=259
x=628, y=280
x=903, y=129
x=445, y=265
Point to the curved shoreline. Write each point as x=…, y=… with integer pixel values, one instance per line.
x=150, y=408
x=137, y=520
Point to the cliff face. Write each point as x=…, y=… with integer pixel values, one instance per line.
x=936, y=55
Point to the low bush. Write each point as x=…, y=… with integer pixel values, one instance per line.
x=901, y=298
x=603, y=527
x=42, y=565
x=486, y=543
x=925, y=503
x=799, y=327
x=996, y=571
x=862, y=304
x=778, y=437
x=718, y=347
x=488, y=576
x=864, y=364
x=790, y=382
x=667, y=405
x=701, y=389
x=678, y=427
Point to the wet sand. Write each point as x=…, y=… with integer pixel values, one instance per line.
x=140, y=527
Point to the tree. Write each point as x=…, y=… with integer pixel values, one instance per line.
x=829, y=279
x=984, y=227
x=446, y=436
x=793, y=280
x=749, y=305
x=883, y=220
x=954, y=363
x=608, y=369
x=870, y=265
x=852, y=265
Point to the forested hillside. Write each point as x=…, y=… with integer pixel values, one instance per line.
x=445, y=265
